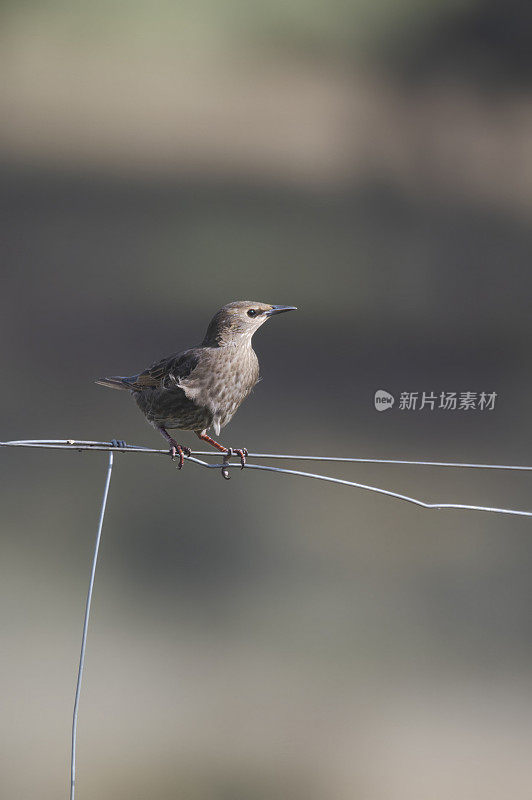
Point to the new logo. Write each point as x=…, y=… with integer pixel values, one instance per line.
x=383, y=400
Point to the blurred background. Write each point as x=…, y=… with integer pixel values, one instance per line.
x=371, y=163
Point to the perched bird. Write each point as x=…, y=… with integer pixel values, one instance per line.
x=202, y=388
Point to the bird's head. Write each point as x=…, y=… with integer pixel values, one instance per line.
x=238, y=321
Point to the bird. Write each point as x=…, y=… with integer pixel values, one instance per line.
x=202, y=388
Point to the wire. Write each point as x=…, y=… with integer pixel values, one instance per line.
x=78, y=445
x=71, y=444
x=86, y=626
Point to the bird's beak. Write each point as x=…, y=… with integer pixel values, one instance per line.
x=279, y=310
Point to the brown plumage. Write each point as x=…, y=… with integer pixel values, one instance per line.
x=203, y=387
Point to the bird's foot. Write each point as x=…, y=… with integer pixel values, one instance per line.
x=233, y=451
x=118, y=443
x=175, y=448
x=242, y=453
x=178, y=450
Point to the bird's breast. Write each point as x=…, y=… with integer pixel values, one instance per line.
x=231, y=380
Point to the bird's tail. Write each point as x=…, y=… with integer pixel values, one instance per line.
x=116, y=382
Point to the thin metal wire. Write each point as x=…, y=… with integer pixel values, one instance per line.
x=367, y=487
x=388, y=492
x=86, y=626
x=71, y=444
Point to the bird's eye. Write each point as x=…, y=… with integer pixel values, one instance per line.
x=252, y=312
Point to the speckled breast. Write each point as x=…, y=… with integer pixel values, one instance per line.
x=231, y=387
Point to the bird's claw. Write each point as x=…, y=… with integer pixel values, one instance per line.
x=243, y=453
x=118, y=443
x=238, y=451
x=225, y=467
x=178, y=450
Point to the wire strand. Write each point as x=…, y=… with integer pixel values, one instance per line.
x=86, y=626
x=78, y=445
x=71, y=444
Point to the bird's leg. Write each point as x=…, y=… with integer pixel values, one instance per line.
x=205, y=438
x=228, y=452
x=175, y=448
x=119, y=443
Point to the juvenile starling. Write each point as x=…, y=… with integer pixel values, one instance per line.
x=202, y=388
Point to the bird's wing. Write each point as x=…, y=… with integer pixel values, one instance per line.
x=168, y=372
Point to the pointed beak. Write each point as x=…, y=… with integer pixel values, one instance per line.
x=279, y=310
